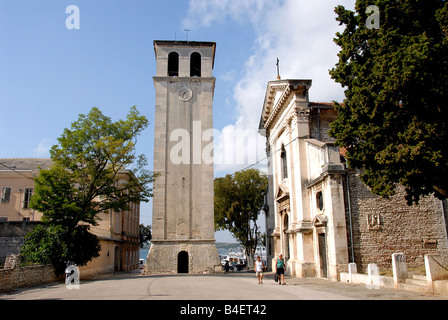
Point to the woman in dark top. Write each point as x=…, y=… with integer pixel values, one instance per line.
x=281, y=269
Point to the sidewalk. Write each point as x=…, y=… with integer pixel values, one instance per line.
x=359, y=291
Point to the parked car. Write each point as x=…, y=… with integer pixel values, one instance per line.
x=141, y=263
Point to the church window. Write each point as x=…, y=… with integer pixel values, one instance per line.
x=320, y=200
x=173, y=64
x=284, y=163
x=195, y=65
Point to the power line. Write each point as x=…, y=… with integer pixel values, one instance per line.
x=274, y=152
x=13, y=170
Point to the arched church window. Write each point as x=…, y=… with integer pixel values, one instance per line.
x=284, y=163
x=320, y=201
x=173, y=64
x=195, y=65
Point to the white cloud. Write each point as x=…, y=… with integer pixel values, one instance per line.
x=206, y=12
x=43, y=148
x=298, y=32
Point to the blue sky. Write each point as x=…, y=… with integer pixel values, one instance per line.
x=50, y=74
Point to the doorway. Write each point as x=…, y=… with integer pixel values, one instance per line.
x=117, y=259
x=286, y=237
x=182, y=262
x=322, y=255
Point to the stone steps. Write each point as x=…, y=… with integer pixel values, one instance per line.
x=412, y=287
x=417, y=283
x=419, y=277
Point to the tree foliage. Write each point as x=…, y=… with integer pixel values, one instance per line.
x=145, y=234
x=95, y=169
x=239, y=199
x=393, y=120
x=87, y=176
x=57, y=244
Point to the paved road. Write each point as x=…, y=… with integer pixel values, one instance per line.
x=230, y=286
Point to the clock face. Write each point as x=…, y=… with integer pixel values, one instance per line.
x=185, y=94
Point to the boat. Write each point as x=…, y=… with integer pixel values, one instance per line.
x=238, y=260
x=235, y=260
x=261, y=251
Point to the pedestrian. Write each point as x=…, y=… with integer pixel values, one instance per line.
x=226, y=266
x=281, y=269
x=259, y=267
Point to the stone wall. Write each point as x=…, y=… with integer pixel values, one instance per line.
x=16, y=228
x=26, y=276
x=12, y=235
x=320, y=120
x=382, y=227
x=8, y=246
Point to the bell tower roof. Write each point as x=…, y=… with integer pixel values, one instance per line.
x=185, y=44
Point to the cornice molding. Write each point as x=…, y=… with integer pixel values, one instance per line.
x=291, y=89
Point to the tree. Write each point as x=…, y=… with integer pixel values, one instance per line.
x=239, y=199
x=393, y=120
x=57, y=244
x=145, y=234
x=94, y=169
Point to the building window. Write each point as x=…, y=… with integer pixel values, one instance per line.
x=173, y=64
x=195, y=65
x=320, y=201
x=27, y=198
x=6, y=194
x=284, y=163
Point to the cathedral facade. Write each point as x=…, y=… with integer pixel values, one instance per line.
x=320, y=215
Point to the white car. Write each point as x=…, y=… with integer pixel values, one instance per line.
x=141, y=263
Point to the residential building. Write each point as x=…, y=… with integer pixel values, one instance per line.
x=118, y=231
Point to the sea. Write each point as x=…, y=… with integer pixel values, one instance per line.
x=223, y=249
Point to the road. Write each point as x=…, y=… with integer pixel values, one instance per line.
x=227, y=286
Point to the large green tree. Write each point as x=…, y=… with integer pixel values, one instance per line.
x=95, y=169
x=393, y=120
x=239, y=199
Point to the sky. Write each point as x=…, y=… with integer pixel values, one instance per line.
x=52, y=70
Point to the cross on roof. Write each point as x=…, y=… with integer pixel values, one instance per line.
x=278, y=69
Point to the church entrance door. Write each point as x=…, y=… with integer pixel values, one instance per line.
x=182, y=262
x=323, y=255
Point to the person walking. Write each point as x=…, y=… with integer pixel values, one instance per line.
x=259, y=268
x=281, y=269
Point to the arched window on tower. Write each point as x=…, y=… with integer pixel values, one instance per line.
x=173, y=64
x=195, y=65
x=284, y=163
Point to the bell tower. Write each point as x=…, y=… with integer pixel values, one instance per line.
x=183, y=213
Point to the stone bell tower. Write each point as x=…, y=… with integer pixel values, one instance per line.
x=183, y=214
